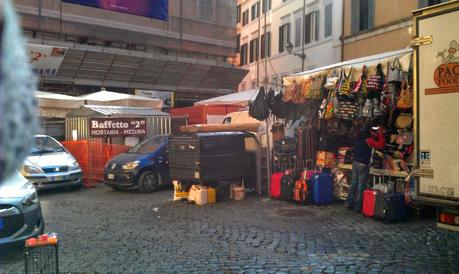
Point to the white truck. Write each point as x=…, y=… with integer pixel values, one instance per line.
x=436, y=112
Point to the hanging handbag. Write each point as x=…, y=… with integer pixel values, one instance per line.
x=367, y=110
x=259, y=109
x=322, y=109
x=298, y=97
x=405, y=101
x=361, y=82
x=375, y=81
x=279, y=107
x=316, y=86
x=306, y=86
x=346, y=109
x=330, y=110
x=289, y=93
x=394, y=73
x=345, y=83
x=377, y=110
x=332, y=79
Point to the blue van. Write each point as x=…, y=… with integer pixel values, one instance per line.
x=144, y=167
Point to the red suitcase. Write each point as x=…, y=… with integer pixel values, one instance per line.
x=275, y=188
x=369, y=201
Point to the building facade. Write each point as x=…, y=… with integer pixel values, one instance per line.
x=186, y=52
x=268, y=29
x=377, y=26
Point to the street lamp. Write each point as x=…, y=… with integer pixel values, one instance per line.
x=289, y=47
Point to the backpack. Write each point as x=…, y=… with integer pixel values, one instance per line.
x=300, y=191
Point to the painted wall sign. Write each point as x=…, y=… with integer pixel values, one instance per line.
x=117, y=127
x=157, y=9
x=446, y=75
x=45, y=60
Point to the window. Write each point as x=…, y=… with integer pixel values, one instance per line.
x=239, y=14
x=363, y=13
x=266, y=6
x=311, y=27
x=328, y=20
x=245, y=17
x=284, y=36
x=206, y=10
x=427, y=3
x=265, y=45
x=238, y=43
x=253, y=50
x=255, y=10
x=244, y=54
x=298, y=32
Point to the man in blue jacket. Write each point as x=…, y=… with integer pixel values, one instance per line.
x=365, y=140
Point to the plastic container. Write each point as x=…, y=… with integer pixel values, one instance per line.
x=239, y=193
x=201, y=196
x=211, y=195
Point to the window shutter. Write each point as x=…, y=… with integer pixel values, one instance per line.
x=316, y=35
x=422, y=3
x=288, y=33
x=307, y=29
x=257, y=49
x=281, y=38
x=371, y=14
x=269, y=44
x=355, y=16
x=298, y=32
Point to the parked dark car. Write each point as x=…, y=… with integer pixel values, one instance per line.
x=20, y=211
x=144, y=167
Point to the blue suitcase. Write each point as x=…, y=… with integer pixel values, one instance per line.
x=322, y=188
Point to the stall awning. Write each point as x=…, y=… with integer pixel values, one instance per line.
x=55, y=100
x=242, y=98
x=121, y=99
x=94, y=110
x=404, y=56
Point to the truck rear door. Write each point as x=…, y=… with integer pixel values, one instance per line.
x=437, y=103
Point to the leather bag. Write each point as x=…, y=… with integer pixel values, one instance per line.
x=332, y=79
x=259, y=109
x=405, y=101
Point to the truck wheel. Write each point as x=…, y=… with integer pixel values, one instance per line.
x=148, y=182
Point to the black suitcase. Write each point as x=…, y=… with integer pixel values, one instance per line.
x=287, y=185
x=390, y=207
x=223, y=192
x=285, y=145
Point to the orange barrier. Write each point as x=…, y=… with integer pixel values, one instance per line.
x=92, y=156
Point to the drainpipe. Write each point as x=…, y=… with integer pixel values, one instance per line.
x=342, y=31
x=302, y=35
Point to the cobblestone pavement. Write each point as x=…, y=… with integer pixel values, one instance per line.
x=109, y=231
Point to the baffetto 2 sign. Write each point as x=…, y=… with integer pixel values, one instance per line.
x=117, y=127
x=446, y=75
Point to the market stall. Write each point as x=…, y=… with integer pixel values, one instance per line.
x=52, y=108
x=325, y=108
x=95, y=134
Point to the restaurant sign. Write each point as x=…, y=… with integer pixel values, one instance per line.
x=117, y=127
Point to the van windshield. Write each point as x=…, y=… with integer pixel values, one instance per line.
x=44, y=145
x=149, y=145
